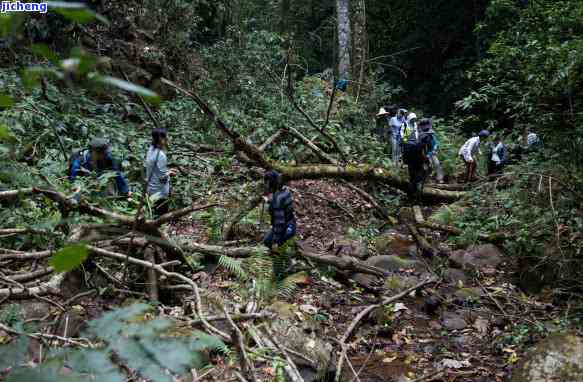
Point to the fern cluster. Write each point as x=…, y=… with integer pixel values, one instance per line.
x=262, y=275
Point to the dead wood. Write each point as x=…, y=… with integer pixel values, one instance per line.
x=318, y=171
x=250, y=203
x=269, y=141
x=50, y=287
x=340, y=262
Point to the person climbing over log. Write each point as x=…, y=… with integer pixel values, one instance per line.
x=468, y=153
x=497, y=156
x=281, y=210
x=97, y=159
x=157, y=172
x=415, y=156
x=432, y=156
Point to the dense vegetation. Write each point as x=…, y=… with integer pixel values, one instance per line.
x=245, y=86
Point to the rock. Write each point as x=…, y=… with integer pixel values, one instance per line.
x=557, y=358
x=394, y=263
x=431, y=304
x=397, y=284
x=311, y=345
x=455, y=276
x=394, y=243
x=467, y=294
x=387, y=263
x=348, y=247
x=447, y=214
x=35, y=309
x=479, y=257
x=453, y=321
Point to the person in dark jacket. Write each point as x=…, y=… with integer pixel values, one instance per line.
x=281, y=210
x=497, y=157
x=416, y=158
x=98, y=158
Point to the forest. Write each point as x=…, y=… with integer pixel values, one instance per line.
x=291, y=191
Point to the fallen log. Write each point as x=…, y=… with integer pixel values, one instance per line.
x=340, y=262
x=50, y=287
x=494, y=237
x=318, y=171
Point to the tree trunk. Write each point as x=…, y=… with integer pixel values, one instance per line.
x=343, y=26
x=359, y=42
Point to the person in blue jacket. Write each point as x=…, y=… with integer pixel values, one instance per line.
x=281, y=210
x=98, y=159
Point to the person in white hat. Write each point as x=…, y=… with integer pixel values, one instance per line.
x=411, y=127
x=383, y=123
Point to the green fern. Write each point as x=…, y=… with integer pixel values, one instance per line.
x=234, y=267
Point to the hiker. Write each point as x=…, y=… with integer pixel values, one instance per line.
x=432, y=156
x=415, y=156
x=383, y=123
x=468, y=154
x=497, y=156
x=281, y=210
x=396, y=124
x=410, y=127
x=533, y=142
x=157, y=172
x=98, y=158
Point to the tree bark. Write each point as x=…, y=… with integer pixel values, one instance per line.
x=359, y=42
x=343, y=27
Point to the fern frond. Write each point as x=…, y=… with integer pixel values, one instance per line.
x=234, y=267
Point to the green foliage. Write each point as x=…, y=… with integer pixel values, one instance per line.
x=69, y=258
x=147, y=346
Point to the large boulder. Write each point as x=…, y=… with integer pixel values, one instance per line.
x=390, y=264
x=343, y=246
x=394, y=243
x=480, y=257
x=557, y=358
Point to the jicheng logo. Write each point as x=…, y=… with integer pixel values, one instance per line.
x=17, y=6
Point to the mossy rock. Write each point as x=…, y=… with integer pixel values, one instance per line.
x=393, y=243
x=448, y=214
x=557, y=358
x=468, y=293
x=400, y=283
x=283, y=310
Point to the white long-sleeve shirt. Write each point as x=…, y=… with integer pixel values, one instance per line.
x=470, y=149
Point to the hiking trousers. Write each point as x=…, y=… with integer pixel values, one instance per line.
x=436, y=166
x=396, y=148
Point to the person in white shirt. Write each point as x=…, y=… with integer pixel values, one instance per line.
x=468, y=153
x=396, y=126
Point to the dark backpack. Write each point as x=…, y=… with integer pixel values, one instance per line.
x=414, y=149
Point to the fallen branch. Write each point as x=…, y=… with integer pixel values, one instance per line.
x=318, y=171
x=24, y=277
x=247, y=365
x=354, y=324
x=340, y=262
x=271, y=140
x=311, y=145
x=25, y=256
x=495, y=237
x=333, y=202
x=50, y=287
x=235, y=317
x=168, y=274
x=426, y=248
x=367, y=197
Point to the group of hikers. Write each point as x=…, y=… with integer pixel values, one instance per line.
x=98, y=159
x=414, y=143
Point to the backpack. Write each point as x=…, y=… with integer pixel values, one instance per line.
x=414, y=149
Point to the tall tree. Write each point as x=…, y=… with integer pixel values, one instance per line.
x=359, y=42
x=344, y=37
